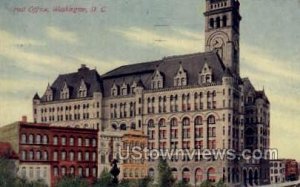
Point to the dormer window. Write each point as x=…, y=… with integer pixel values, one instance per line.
x=124, y=89
x=205, y=76
x=180, y=78
x=157, y=80
x=82, y=92
x=133, y=87
x=114, y=90
x=64, y=93
x=49, y=93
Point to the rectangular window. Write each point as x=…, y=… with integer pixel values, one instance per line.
x=87, y=142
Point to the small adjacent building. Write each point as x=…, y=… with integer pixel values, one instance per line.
x=127, y=147
x=283, y=170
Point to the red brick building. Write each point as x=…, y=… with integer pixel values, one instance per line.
x=48, y=152
x=291, y=170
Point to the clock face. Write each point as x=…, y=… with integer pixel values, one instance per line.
x=216, y=43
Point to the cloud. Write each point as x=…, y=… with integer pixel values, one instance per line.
x=187, y=43
x=268, y=65
x=10, y=40
x=62, y=35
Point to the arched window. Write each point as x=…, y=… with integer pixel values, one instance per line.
x=63, y=155
x=71, y=141
x=198, y=121
x=71, y=156
x=224, y=19
x=186, y=175
x=151, y=123
x=55, y=140
x=87, y=156
x=174, y=173
x=186, y=121
x=114, y=126
x=162, y=123
x=136, y=172
x=123, y=127
x=79, y=142
x=72, y=170
x=80, y=171
x=30, y=155
x=38, y=139
x=30, y=139
x=87, y=172
x=79, y=156
x=211, y=22
x=23, y=155
x=94, y=156
x=63, y=171
x=23, y=138
x=133, y=126
x=174, y=122
x=198, y=176
x=55, y=155
x=211, y=174
x=38, y=155
x=125, y=174
x=45, y=155
x=151, y=172
x=218, y=22
x=45, y=139
x=94, y=142
x=55, y=171
x=211, y=119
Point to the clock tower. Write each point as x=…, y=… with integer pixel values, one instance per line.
x=222, y=31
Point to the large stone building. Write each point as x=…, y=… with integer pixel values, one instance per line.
x=193, y=101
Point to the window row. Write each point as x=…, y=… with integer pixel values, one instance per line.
x=69, y=108
x=31, y=172
x=73, y=156
x=137, y=173
x=218, y=22
x=43, y=139
x=77, y=171
x=63, y=155
x=185, y=122
x=71, y=141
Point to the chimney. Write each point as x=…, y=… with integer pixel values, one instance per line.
x=24, y=119
x=83, y=67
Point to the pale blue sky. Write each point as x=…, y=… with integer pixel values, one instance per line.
x=35, y=48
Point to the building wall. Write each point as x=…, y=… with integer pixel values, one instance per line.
x=77, y=113
x=35, y=171
x=277, y=171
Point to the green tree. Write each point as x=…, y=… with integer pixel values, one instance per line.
x=144, y=182
x=104, y=180
x=165, y=178
x=71, y=181
x=221, y=183
x=182, y=183
x=207, y=183
x=7, y=172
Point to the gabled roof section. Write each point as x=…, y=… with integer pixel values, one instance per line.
x=168, y=67
x=73, y=80
x=36, y=96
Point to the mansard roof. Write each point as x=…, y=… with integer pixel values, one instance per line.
x=191, y=63
x=73, y=80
